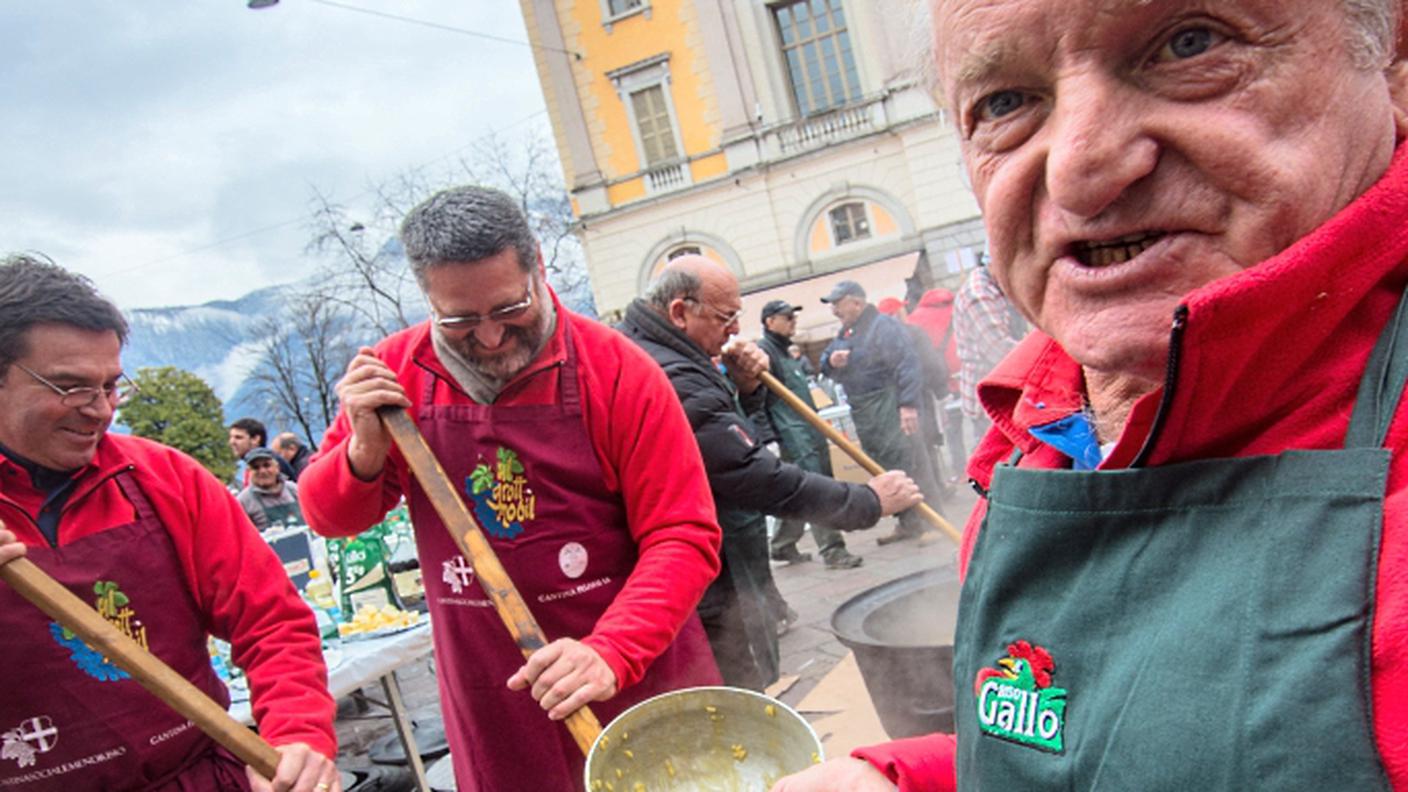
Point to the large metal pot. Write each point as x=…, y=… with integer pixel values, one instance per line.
x=698, y=739
x=901, y=633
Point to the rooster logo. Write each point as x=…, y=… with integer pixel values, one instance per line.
x=1016, y=701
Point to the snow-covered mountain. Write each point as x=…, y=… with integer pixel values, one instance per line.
x=217, y=342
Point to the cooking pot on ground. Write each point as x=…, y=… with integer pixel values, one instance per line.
x=901, y=633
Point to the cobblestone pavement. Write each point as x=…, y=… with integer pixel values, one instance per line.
x=809, y=649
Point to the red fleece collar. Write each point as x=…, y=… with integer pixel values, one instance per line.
x=1266, y=353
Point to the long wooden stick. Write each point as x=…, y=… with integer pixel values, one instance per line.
x=852, y=450
x=470, y=539
x=149, y=671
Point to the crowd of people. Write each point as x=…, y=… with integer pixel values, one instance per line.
x=1191, y=479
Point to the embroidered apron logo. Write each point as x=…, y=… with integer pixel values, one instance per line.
x=457, y=573
x=34, y=736
x=1016, y=701
x=503, y=501
x=114, y=606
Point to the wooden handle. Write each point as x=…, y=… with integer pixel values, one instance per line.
x=852, y=450
x=150, y=672
x=470, y=539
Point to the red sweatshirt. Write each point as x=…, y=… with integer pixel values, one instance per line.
x=1270, y=361
x=233, y=575
x=647, y=454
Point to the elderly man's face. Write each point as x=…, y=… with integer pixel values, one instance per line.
x=499, y=348
x=848, y=309
x=1125, y=153
x=264, y=473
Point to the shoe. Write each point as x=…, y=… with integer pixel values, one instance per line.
x=790, y=556
x=898, y=535
x=784, y=625
x=844, y=560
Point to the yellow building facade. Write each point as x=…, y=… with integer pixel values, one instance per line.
x=790, y=140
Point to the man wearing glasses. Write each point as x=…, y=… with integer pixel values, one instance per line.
x=684, y=322
x=158, y=546
x=574, y=456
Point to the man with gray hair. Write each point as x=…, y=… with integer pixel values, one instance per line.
x=575, y=458
x=683, y=322
x=1189, y=566
x=158, y=546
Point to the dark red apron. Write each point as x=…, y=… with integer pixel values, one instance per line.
x=531, y=477
x=69, y=719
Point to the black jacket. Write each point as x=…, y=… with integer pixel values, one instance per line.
x=745, y=477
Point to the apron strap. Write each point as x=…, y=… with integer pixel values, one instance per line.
x=1382, y=385
x=140, y=505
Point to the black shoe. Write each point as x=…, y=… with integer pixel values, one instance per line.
x=843, y=560
x=790, y=556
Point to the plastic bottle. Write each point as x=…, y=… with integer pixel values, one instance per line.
x=318, y=594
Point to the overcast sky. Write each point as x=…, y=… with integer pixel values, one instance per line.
x=169, y=150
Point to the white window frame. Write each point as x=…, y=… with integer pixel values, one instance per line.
x=831, y=225
x=639, y=76
x=609, y=19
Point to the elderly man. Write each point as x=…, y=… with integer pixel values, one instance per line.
x=160, y=549
x=1201, y=207
x=293, y=451
x=577, y=461
x=873, y=358
x=686, y=318
x=269, y=500
x=800, y=442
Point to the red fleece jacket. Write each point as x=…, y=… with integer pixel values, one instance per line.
x=1270, y=361
x=647, y=454
x=232, y=574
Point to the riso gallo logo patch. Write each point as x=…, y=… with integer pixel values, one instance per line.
x=1016, y=701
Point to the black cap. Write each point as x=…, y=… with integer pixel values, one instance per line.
x=258, y=453
x=775, y=307
x=846, y=288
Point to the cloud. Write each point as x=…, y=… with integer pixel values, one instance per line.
x=170, y=150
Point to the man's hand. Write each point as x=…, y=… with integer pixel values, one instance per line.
x=746, y=361
x=301, y=769
x=565, y=675
x=840, y=358
x=10, y=547
x=367, y=385
x=897, y=491
x=909, y=420
x=837, y=775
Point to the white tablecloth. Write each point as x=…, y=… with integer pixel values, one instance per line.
x=360, y=663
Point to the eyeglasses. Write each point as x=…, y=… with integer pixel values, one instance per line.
x=504, y=314
x=117, y=393
x=726, y=318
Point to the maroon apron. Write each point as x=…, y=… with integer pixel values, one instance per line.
x=531, y=477
x=70, y=719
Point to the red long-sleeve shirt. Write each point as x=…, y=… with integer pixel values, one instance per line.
x=647, y=454
x=234, y=577
x=1270, y=361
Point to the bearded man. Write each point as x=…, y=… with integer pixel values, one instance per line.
x=1189, y=566
x=578, y=462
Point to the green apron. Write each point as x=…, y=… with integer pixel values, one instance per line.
x=1197, y=626
x=877, y=418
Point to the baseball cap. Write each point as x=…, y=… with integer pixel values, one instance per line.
x=258, y=453
x=845, y=288
x=775, y=307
